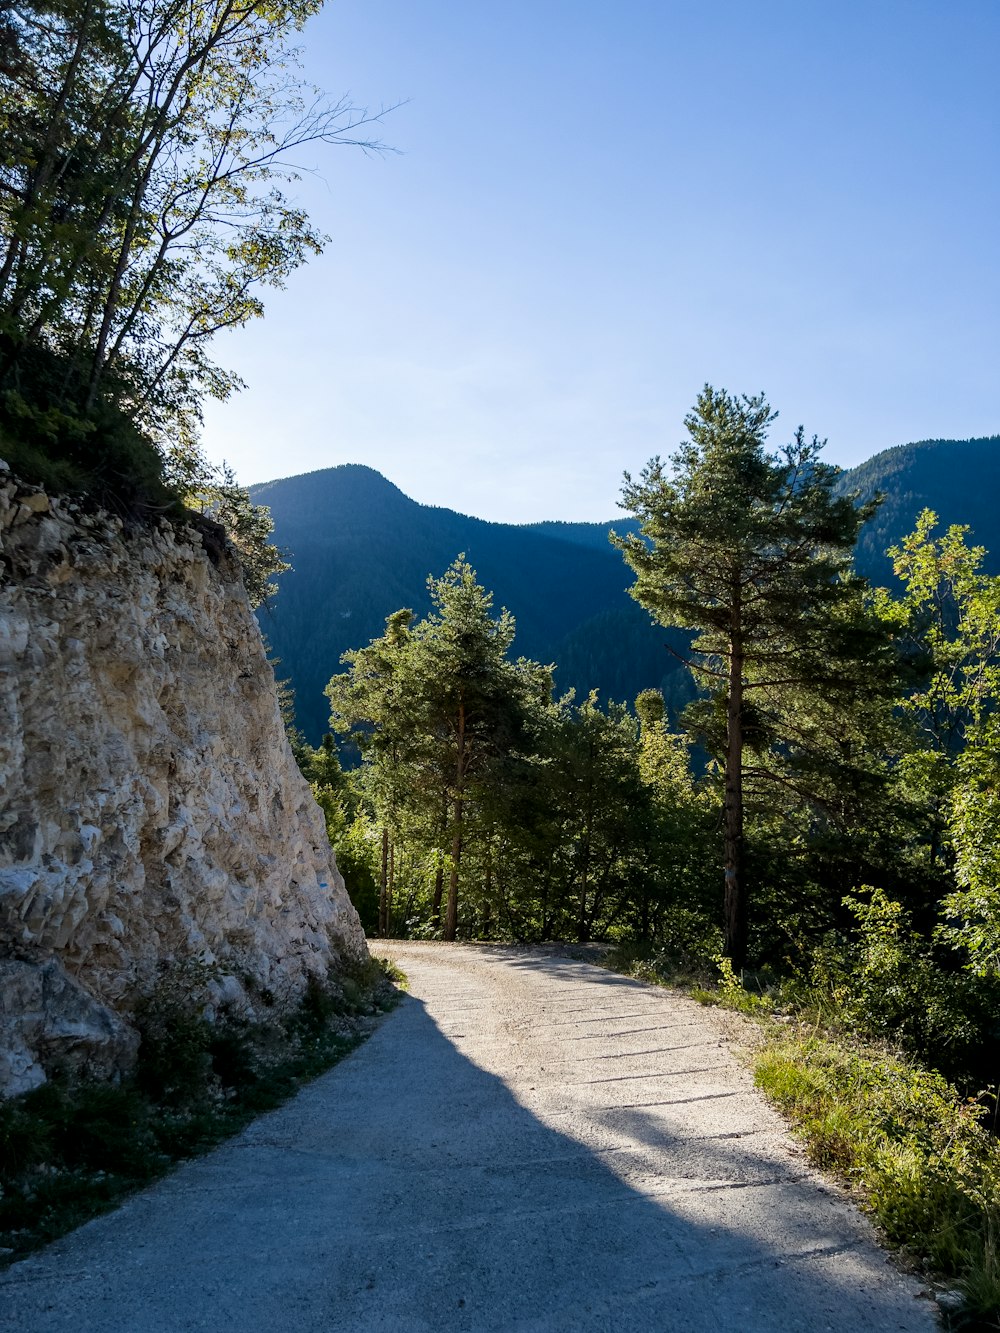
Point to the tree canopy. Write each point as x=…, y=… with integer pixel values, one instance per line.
x=495, y=806
x=146, y=151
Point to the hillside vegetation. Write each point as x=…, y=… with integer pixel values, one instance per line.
x=958, y=479
x=820, y=823
x=770, y=775
x=148, y=151
x=360, y=549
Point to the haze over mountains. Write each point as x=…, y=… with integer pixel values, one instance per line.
x=361, y=549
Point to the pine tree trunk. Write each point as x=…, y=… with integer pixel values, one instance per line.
x=383, y=887
x=487, y=921
x=451, y=919
x=438, y=891
x=389, y=889
x=735, y=908
x=439, y=867
x=582, y=933
x=582, y=928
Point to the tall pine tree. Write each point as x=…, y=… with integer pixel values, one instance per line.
x=753, y=551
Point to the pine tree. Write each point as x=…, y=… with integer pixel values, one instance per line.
x=376, y=703
x=473, y=699
x=440, y=713
x=752, y=550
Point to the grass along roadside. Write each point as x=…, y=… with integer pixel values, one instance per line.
x=72, y=1149
x=917, y=1153
x=914, y=1151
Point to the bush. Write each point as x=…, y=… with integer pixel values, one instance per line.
x=687, y=949
x=889, y=984
x=103, y=456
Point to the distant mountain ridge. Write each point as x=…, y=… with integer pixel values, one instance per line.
x=958, y=479
x=361, y=549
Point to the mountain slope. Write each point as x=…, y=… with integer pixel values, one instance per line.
x=361, y=549
x=958, y=479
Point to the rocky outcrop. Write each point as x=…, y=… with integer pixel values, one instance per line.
x=47, y=1018
x=150, y=808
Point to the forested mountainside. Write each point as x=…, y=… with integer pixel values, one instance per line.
x=958, y=479
x=361, y=549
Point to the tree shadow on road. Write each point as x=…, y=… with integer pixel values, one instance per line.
x=409, y=1189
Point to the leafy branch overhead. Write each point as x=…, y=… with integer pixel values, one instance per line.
x=147, y=149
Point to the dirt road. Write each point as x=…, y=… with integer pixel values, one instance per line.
x=527, y=1143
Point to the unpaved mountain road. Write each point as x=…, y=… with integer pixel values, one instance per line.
x=528, y=1142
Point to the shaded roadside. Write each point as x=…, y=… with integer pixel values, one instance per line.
x=450, y=1174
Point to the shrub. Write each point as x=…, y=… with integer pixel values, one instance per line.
x=72, y=1149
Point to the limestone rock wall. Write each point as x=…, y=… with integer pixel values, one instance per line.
x=150, y=807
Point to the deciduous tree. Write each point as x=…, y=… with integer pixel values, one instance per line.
x=145, y=150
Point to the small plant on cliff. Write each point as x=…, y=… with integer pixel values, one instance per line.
x=248, y=527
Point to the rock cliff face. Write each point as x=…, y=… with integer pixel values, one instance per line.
x=150, y=808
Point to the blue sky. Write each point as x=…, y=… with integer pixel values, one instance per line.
x=598, y=207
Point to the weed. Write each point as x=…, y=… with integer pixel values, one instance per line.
x=686, y=956
x=917, y=1152
x=391, y=971
x=735, y=995
x=72, y=1149
x=915, y=1149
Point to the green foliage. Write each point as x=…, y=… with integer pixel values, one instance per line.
x=248, y=527
x=971, y=913
x=72, y=1149
x=690, y=942
x=957, y=478
x=392, y=972
x=356, y=848
x=686, y=955
x=145, y=150
x=735, y=995
x=591, y=820
x=936, y=983
x=362, y=549
x=441, y=716
x=948, y=620
x=894, y=987
x=339, y=796
x=598, y=816
x=752, y=552
x=916, y=1150
x=176, y=1059
x=51, y=443
x=557, y=819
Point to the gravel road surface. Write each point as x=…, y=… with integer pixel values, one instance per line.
x=528, y=1142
